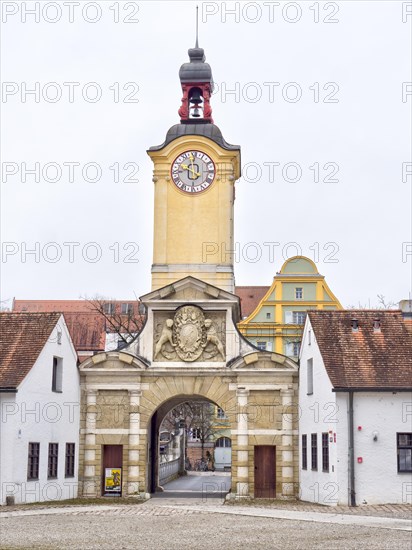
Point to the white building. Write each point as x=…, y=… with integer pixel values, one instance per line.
x=355, y=431
x=40, y=409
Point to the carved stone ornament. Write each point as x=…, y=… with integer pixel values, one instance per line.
x=189, y=336
x=189, y=332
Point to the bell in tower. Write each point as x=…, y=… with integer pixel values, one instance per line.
x=197, y=86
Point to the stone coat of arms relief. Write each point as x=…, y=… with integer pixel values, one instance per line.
x=189, y=336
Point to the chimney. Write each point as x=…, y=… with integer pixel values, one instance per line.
x=376, y=325
x=355, y=325
x=406, y=308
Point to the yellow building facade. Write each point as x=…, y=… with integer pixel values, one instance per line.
x=277, y=322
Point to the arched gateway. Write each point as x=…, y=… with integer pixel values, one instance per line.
x=190, y=345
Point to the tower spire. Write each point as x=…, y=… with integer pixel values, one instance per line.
x=197, y=27
x=197, y=85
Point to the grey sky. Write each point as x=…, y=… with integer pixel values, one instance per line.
x=359, y=63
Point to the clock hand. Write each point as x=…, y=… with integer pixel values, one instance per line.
x=186, y=167
x=191, y=160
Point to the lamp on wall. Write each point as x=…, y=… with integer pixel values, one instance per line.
x=375, y=436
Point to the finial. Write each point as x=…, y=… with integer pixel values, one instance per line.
x=197, y=27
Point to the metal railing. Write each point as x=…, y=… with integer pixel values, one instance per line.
x=168, y=471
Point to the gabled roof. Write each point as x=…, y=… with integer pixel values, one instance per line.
x=250, y=296
x=366, y=359
x=22, y=338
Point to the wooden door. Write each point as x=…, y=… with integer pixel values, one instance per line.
x=113, y=459
x=265, y=471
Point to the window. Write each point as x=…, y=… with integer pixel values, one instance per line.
x=299, y=293
x=59, y=337
x=299, y=317
x=309, y=376
x=70, y=454
x=404, y=444
x=314, y=445
x=33, y=461
x=309, y=337
x=83, y=336
x=292, y=349
x=325, y=452
x=57, y=377
x=304, y=452
x=196, y=434
x=95, y=338
x=53, y=458
x=126, y=309
x=261, y=345
x=220, y=413
x=108, y=308
x=223, y=442
x=268, y=315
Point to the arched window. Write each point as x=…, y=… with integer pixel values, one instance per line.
x=223, y=442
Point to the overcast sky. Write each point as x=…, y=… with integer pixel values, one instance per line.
x=320, y=106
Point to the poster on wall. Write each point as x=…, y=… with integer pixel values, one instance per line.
x=113, y=480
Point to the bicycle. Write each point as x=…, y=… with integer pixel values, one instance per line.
x=201, y=465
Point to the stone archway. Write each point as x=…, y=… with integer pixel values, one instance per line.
x=123, y=391
x=153, y=482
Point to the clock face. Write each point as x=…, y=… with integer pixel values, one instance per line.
x=193, y=172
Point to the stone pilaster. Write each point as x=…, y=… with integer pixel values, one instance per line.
x=242, y=488
x=134, y=441
x=287, y=442
x=89, y=483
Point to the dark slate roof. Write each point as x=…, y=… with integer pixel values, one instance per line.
x=22, y=338
x=250, y=297
x=197, y=70
x=208, y=130
x=365, y=359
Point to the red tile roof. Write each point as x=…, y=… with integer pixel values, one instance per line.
x=250, y=296
x=87, y=326
x=52, y=305
x=365, y=359
x=22, y=338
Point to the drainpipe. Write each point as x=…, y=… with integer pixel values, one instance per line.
x=352, y=493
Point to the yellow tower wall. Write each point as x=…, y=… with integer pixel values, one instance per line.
x=193, y=233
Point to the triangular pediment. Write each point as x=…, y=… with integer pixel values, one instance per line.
x=189, y=289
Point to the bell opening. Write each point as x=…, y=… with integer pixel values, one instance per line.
x=195, y=103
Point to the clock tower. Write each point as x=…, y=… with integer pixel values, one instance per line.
x=194, y=175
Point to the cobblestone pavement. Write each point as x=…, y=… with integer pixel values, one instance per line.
x=401, y=511
x=197, y=524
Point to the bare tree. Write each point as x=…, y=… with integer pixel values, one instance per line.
x=205, y=423
x=198, y=418
x=5, y=305
x=123, y=321
x=382, y=304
